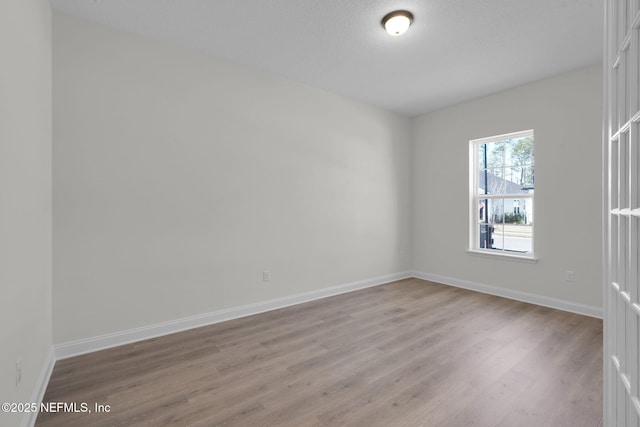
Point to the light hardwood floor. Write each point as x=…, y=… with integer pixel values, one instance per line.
x=409, y=353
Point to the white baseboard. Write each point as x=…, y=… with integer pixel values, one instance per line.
x=29, y=418
x=573, y=307
x=88, y=345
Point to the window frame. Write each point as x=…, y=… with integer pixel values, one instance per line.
x=475, y=197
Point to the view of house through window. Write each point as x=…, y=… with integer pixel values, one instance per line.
x=502, y=193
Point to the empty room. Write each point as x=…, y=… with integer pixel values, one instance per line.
x=319, y=213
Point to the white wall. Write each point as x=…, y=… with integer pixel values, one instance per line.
x=25, y=197
x=178, y=179
x=566, y=114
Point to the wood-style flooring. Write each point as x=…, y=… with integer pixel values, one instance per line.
x=409, y=353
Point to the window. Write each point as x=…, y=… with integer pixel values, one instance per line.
x=501, y=194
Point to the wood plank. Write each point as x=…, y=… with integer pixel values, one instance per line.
x=409, y=353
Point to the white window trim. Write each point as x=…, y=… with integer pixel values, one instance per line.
x=474, y=231
x=488, y=253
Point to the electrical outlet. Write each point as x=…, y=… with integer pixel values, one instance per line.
x=569, y=276
x=18, y=371
x=266, y=276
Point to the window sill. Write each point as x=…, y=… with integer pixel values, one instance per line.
x=503, y=256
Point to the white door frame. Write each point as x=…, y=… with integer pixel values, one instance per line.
x=621, y=231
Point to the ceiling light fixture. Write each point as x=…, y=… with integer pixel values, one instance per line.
x=397, y=22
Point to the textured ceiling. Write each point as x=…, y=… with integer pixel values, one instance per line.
x=454, y=51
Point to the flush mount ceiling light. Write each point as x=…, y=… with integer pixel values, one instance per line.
x=397, y=22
